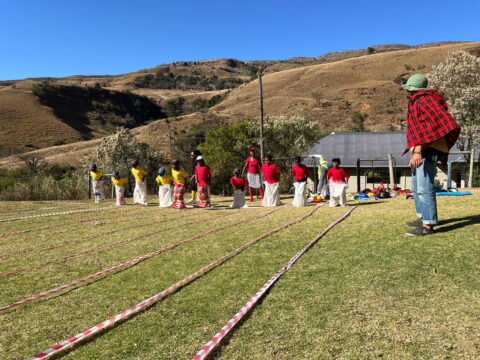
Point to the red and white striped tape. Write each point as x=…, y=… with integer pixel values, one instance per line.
x=55, y=349
x=57, y=213
x=76, y=241
x=31, y=209
x=129, y=262
x=99, y=248
x=217, y=338
x=122, y=213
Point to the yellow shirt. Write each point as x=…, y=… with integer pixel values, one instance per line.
x=164, y=180
x=138, y=174
x=96, y=175
x=119, y=182
x=179, y=176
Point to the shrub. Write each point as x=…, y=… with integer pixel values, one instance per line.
x=358, y=120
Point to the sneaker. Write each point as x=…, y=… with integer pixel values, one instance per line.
x=420, y=231
x=416, y=223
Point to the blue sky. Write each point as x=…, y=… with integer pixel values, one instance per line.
x=59, y=38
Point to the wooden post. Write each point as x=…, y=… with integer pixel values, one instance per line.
x=260, y=94
x=391, y=172
x=470, y=173
x=358, y=175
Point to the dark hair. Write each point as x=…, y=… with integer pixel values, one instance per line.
x=93, y=167
x=298, y=158
x=197, y=152
x=135, y=163
x=269, y=157
x=336, y=160
x=116, y=173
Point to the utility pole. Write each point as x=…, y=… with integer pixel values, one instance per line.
x=260, y=93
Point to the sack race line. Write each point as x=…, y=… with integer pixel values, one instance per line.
x=132, y=262
x=217, y=338
x=57, y=213
x=87, y=334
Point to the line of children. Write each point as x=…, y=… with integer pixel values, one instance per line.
x=269, y=172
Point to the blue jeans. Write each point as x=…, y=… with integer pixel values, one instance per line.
x=422, y=187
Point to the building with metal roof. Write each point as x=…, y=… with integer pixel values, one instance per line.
x=371, y=147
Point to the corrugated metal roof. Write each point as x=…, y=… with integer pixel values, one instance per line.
x=349, y=146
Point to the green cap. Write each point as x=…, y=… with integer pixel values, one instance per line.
x=416, y=82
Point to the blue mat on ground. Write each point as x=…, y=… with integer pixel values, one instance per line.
x=454, y=193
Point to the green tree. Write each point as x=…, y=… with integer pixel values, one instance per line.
x=227, y=146
x=459, y=79
x=174, y=107
x=116, y=152
x=358, y=120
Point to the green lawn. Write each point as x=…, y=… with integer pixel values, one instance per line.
x=365, y=291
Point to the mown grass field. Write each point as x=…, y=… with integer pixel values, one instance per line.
x=365, y=291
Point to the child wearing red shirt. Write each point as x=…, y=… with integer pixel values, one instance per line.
x=271, y=175
x=299, y=173
x=202, y=175
x=238, y=183
x=253, y=167
x=338, y=183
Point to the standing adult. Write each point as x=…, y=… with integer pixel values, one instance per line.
x=299, y=174
x=322, y=187
x=431, y=133
x=271, y=175
x=253, y=165
x=193, y=185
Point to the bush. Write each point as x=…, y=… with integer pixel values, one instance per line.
x=117, y=152
x=54, y=183
x=168, y=80
x=358, y=120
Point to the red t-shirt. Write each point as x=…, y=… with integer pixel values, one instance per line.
x=271, y=173
x=299, y=172
x=238, y=183
x=338, y=175
x=203, y=174
x=253, y=165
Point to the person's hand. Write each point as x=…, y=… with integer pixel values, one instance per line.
x=416, y=160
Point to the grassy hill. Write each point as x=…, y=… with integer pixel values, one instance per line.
x=329, y=89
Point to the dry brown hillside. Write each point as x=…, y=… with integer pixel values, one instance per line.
x=328, y=92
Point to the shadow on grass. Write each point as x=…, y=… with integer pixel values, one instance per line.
x=458, y=223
